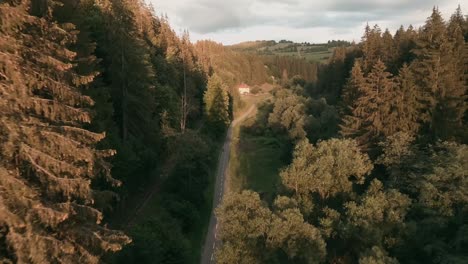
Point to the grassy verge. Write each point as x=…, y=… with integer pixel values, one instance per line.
x=234, y=182
x=255, y=159
x=260, y=158
x=256, y=162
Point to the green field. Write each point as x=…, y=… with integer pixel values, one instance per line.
x=312, y=52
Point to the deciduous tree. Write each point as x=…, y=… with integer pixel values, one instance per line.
x=289, y=114
x=244, y=221
x=328, y=169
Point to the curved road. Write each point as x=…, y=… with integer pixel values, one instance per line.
x=211, y=243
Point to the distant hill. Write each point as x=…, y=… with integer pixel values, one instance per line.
x=320, y=52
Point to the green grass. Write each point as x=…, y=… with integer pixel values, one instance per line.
x=311, y=53
x=260, y=159
x=316, y=56
x=255, y=160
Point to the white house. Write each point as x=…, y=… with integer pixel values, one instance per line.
x=244, y=89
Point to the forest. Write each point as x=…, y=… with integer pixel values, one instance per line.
x=378, y=161
x=111, y=124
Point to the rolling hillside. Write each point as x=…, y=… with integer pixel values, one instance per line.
x=312, y=52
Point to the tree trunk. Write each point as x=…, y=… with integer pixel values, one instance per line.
x=124, y=100
x=184, y=106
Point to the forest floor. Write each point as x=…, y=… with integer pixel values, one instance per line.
x=129, y=209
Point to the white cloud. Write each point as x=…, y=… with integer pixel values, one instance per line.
x=231, y=21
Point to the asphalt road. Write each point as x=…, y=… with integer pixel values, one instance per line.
x=211, y=243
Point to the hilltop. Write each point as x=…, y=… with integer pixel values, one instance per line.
x=313, y=52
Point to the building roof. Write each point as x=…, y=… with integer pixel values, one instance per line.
x=243, y=85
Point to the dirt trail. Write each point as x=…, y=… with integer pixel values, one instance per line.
x=211, y=243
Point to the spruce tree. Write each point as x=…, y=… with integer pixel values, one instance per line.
x=405, y=42
x=368, y=120
x=405, y=103
x=372, y=47
x=439, y=79
x=48, y=161
x=130, y=74
x=216, y=101
x=389, y=52
x=351, y=90
x=456, y=38
x=457, y=20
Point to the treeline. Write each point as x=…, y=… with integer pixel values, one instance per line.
x=252, y=46
x=79, y=77
x=416, y=80
x=378, y=171
x=284, y=68
x=233, y=67
x=338, y=43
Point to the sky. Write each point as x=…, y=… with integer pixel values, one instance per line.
x=314, y=21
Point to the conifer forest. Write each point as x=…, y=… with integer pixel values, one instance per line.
x=124, y=140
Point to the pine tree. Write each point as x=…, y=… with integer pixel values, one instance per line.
x=216, y=101
x=465, y=29
x=284, y=76
x=336, y=65
x=376, y=101
x=439, y=80
x=371, y=47
x=456, y=38
x=405, y=103
x=368, y=120
x=405, y=42
x=130, y=73
x=351, y=90
x=48, y=160
x=400, y=108
x=388, y=50
x=457, y=20
x=351, y=124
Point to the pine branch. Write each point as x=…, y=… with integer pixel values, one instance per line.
x=69, y=188
x=55, y=166
x=54, y=111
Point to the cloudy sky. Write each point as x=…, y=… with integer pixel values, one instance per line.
x=233, y=21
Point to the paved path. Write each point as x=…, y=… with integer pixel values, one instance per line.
x=211, y=243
